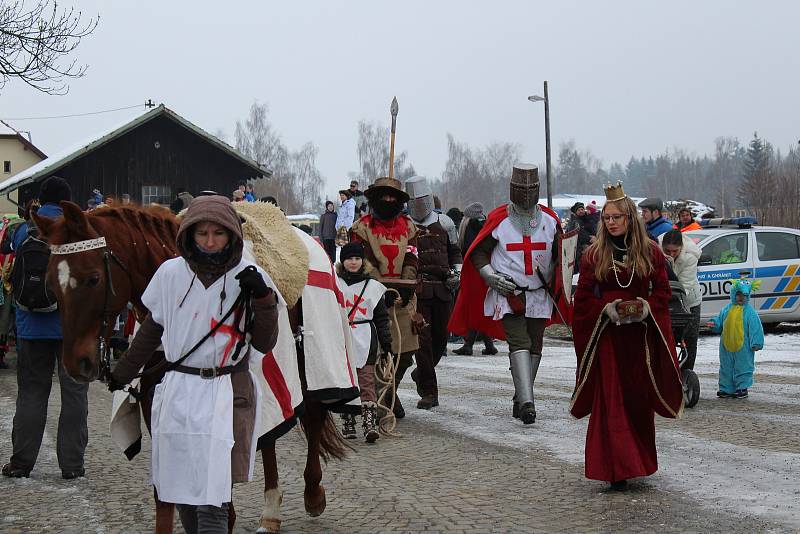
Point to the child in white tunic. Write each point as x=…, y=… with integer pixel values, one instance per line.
x=204, y=411
x=369, y=320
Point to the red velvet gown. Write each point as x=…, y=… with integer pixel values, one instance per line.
x=625, y=373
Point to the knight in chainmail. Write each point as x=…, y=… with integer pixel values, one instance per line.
x=438, y=273
x=515, y=256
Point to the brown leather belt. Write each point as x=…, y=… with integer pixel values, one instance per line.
x=214, y=372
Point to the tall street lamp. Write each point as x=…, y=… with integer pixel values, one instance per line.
x=546, y=100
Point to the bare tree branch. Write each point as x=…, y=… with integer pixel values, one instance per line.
x=36, y=42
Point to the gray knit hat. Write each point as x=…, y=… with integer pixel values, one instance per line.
x=474, y=210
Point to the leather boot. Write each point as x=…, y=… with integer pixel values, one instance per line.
x=427, y=402
x=466, y=349
x=369, y=421
x=349, y=426
x=489, y=348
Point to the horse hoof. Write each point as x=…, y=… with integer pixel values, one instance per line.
x=315, y=501
x=269, y=526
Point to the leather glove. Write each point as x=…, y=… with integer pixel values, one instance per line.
x=390, y=297
x=113, y=385
x=250, y=280
x=611, y=311
x=645, y=309
x=452, y=281
x=496, y=281
x=405, y=296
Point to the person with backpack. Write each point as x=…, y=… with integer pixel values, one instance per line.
x=39, y=352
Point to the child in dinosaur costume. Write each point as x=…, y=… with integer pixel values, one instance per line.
x=742, y=335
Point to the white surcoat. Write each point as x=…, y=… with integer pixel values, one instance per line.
x=192, y=417
x=518, y=257
x=361, y=313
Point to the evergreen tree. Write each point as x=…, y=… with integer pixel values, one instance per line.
x=757, y=189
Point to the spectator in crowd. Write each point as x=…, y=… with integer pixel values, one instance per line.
x=181, y=202
x=248, y=193
x=98, y=197
x=237, y=196
x=586, y=224
x=359, y=199
x=468, y=230
x=347, y=210
x=327, y=230
x=437, y=204
x=126, y=199
x=686, y=222
x=456, y=215
x=654, y=220
x=683, y=254
x=91, y=204
x=38, y=353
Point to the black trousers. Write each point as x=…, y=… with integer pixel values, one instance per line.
x=36, y=359
x=330, y=247
x=432, y=343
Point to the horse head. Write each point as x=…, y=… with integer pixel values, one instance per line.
x=91, y=290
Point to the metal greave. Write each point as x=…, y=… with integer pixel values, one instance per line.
x=522, y=373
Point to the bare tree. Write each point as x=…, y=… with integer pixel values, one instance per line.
x=306, y=177
x=36, y=42
x=373, y=154
x=296, y=181
x=480, y=174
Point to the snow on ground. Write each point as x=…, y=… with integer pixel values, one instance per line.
x=694, y=458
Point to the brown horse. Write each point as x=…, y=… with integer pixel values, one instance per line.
x=94, y=282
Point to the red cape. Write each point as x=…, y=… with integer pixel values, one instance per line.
x=468, y=311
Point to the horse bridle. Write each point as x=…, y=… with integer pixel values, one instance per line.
x=104, y=372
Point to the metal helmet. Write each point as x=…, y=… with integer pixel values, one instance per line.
x=525, y=186
x=420, y=201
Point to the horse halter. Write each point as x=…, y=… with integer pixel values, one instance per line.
x=104, y=372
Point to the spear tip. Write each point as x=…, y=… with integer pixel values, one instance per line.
x=394, y=107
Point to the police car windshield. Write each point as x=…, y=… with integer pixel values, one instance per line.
x=696, y=236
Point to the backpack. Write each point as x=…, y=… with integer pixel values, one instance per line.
x=28, y=275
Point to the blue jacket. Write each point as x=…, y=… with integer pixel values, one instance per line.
x=659, y=226
x=35, y=325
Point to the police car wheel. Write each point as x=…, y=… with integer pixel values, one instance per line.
x=691, y=388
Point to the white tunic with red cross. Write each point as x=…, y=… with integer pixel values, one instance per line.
x=519, y=256
x=192, y=417
x=360, y=303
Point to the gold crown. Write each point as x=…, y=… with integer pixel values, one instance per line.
x=614, y=192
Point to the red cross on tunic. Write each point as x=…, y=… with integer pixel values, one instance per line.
x=353, y=307
x=527, y=248
x=234, y=337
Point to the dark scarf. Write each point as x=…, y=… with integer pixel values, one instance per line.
x=386, y=210
x=619, y=246
x=352, y=278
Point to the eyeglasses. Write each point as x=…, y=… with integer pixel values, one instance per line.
x=615, y=218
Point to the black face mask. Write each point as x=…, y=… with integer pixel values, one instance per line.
x=211, y=258
x=386, y=210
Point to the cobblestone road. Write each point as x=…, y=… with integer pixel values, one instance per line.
x=465, y=467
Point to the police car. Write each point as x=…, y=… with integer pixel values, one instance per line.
x=732, y=248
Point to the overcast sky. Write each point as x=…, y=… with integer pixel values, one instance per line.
x=625, y=78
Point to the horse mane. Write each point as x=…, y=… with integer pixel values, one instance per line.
x=154, y=227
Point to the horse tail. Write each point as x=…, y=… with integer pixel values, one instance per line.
x=331, y=444
x=317, y=419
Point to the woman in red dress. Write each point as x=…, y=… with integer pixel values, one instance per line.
x=627, y=366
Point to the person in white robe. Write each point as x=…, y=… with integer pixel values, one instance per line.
x=206, y=408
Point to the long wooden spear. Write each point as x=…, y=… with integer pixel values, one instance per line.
x=393, y=110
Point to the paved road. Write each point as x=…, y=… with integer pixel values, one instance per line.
x=467, y=467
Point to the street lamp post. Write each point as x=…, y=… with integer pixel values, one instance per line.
x=546, y=100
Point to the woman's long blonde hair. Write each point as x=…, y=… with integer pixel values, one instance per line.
x=639, y=244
